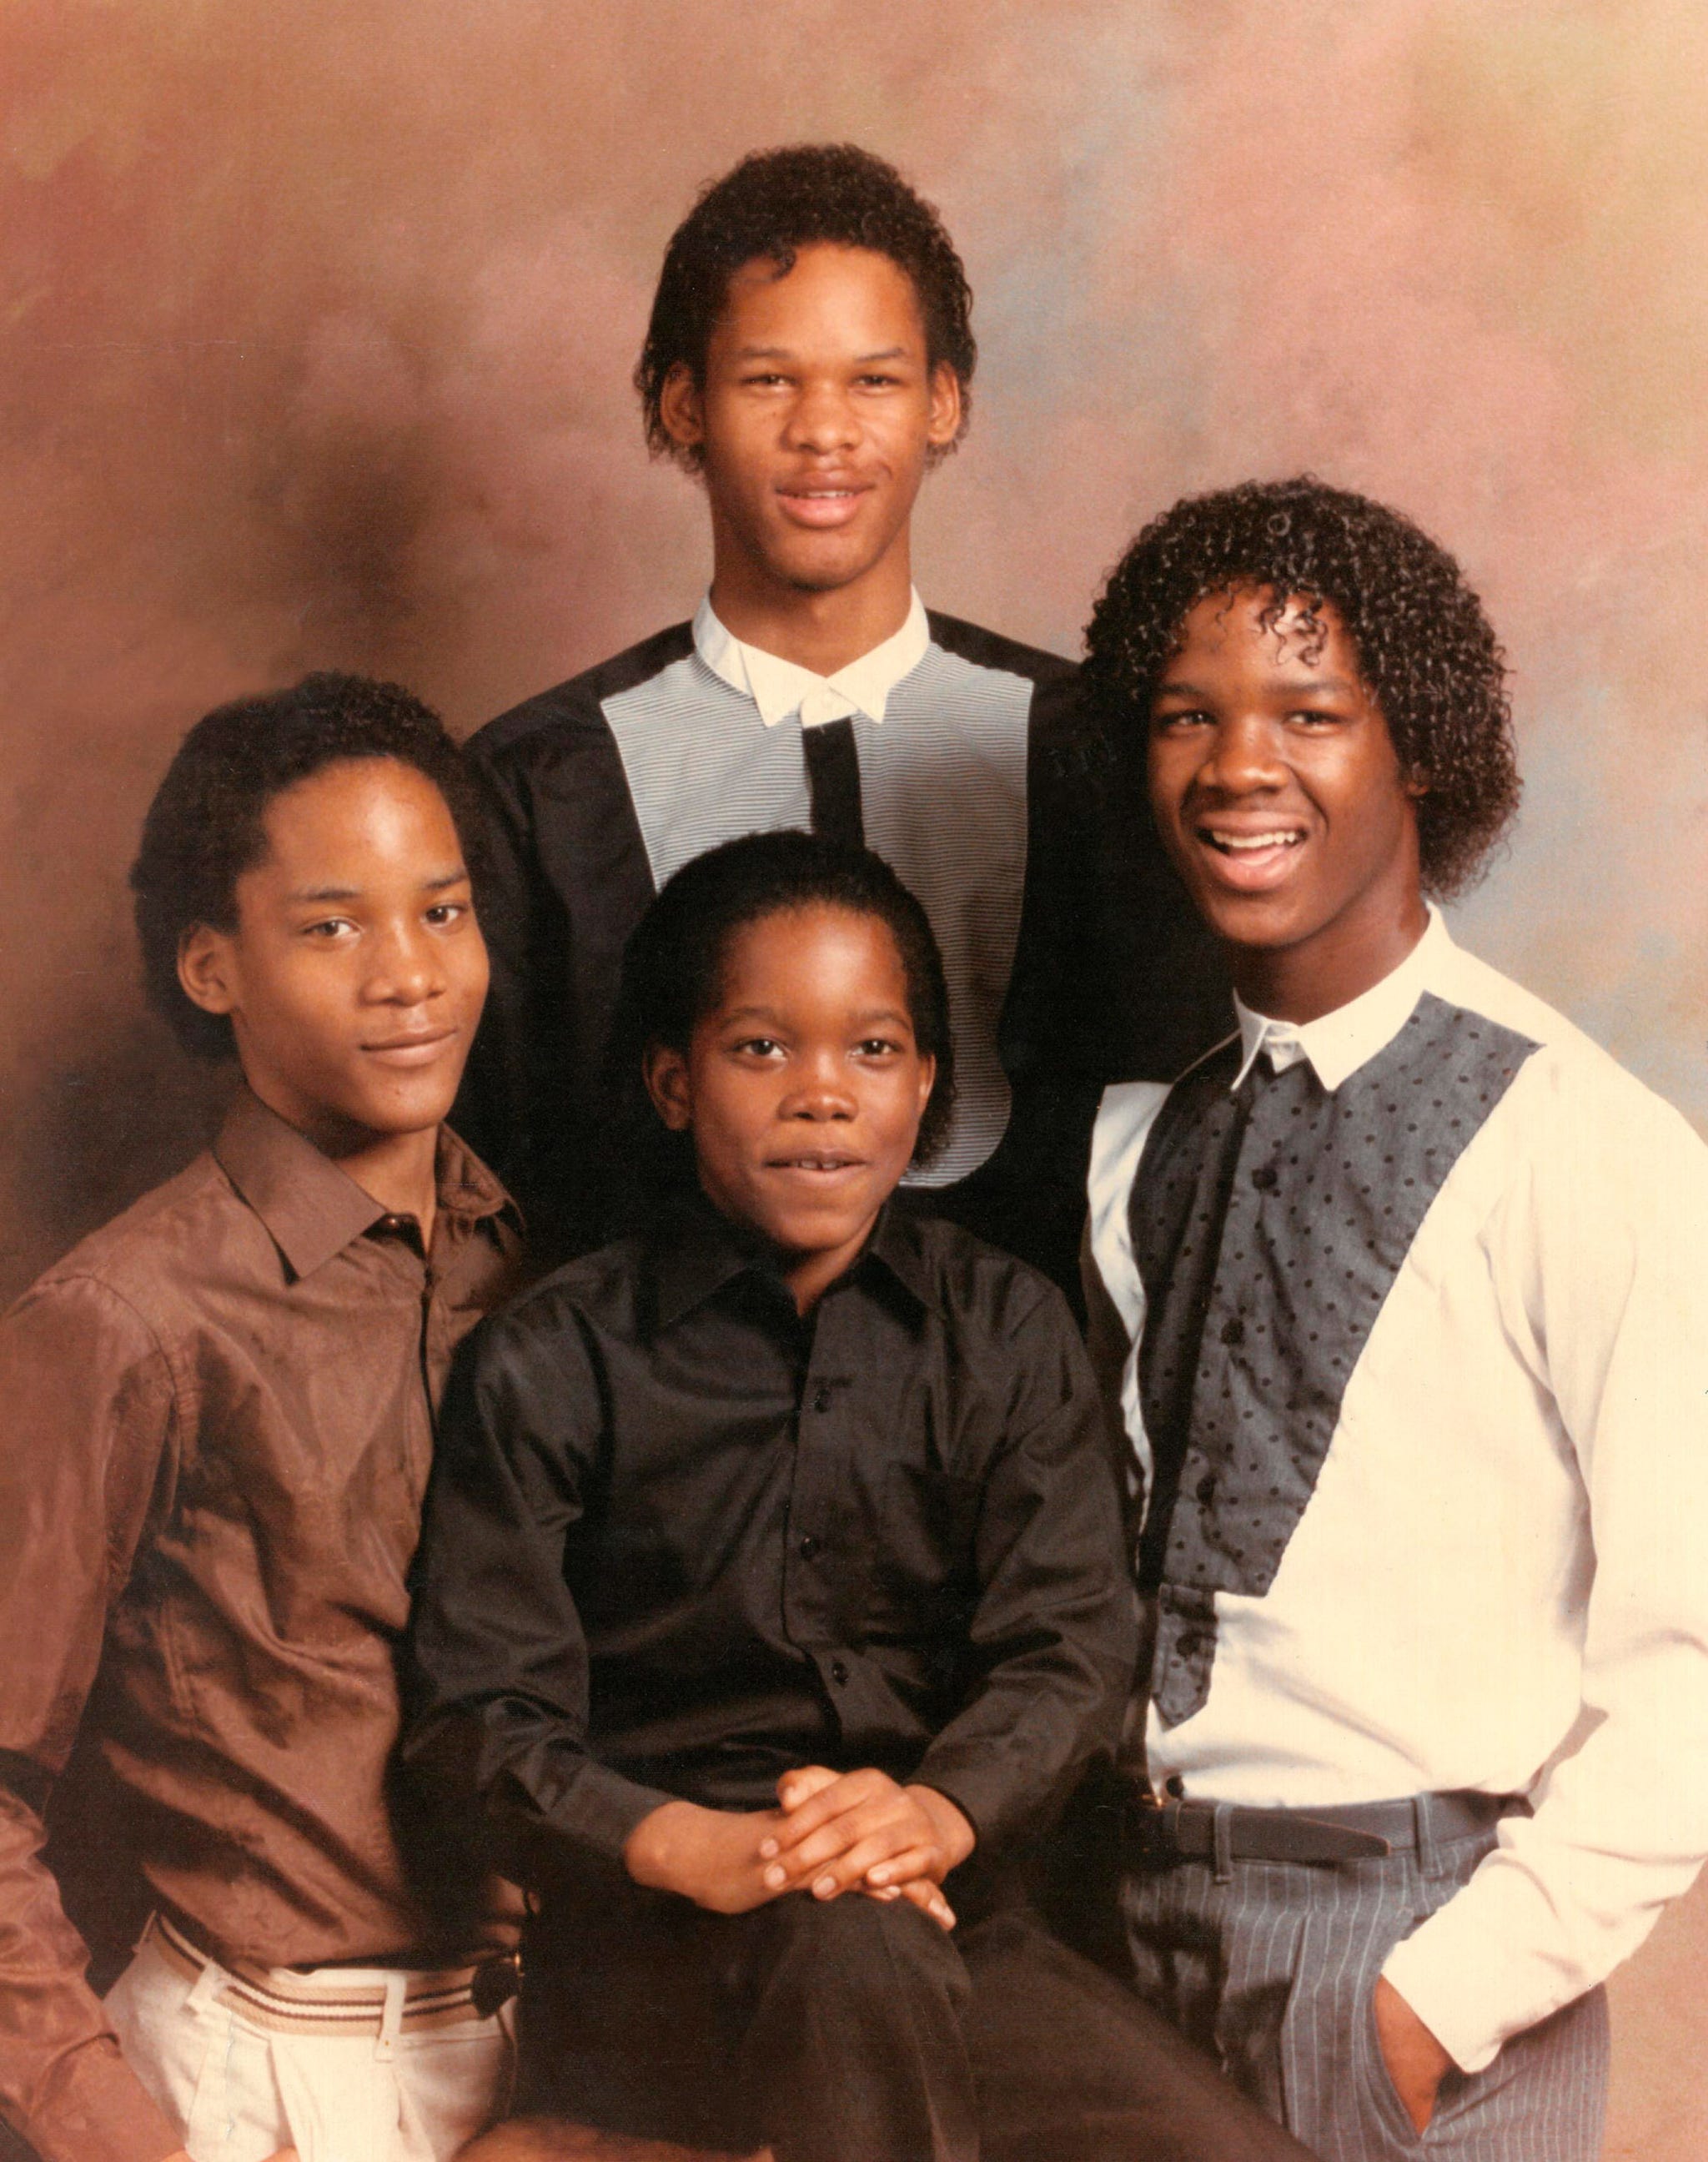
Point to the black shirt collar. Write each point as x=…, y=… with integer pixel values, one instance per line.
x=695, y=1251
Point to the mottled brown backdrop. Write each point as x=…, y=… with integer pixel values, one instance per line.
x=318, y=316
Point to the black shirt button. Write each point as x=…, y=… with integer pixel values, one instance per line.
x=821, y=1403
x=808, y=1547
x=839, y=1671
x=1206, y=1489
x=1189, y=1644
x=1265, y=1178
x=1234, y=1331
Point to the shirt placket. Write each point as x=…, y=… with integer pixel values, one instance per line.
x=818, y=1567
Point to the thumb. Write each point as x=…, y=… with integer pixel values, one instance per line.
x=802, y=1783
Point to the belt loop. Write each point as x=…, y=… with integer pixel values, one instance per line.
x=1222, y=1837
x=391, y=2019
x=205, y=1990
x=1423, y=1833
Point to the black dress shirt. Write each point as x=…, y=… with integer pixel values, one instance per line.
x=682, y=1540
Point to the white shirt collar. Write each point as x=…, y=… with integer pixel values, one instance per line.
x=1337, y=1044
x=780, y=688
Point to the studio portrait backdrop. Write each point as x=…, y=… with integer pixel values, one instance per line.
x=319, y=321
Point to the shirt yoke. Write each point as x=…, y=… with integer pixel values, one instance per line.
x=576, y=706
x=195, y=1213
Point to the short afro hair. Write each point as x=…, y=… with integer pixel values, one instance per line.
x=207, y=825
x=1425, y=648
x=673, y=968
x=772, y=205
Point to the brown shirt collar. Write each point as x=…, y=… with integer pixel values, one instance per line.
x=311, y=1209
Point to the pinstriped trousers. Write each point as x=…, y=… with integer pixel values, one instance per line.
x=1274, y=1971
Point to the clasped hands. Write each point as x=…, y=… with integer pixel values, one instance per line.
x=831, y=1833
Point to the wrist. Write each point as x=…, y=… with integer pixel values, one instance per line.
x=653, y=1852
x=954, y=1834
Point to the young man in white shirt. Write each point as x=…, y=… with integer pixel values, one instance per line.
x=1400, y=1294
x=809, y=357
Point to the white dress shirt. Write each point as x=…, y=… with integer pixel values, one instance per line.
x=782, y=689
x=1500, y=1580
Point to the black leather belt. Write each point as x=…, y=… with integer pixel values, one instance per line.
x=1160, y=1830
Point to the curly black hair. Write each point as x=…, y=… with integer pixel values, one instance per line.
x=1425, y=648
x=772, y=204
x=673, y=966
x=207, y=825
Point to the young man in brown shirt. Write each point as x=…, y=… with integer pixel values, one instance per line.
x=219, y=1427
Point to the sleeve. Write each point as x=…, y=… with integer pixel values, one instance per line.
x=497, y=1674
x=89, y=1423
x=1053, y=1634
x=1612, y=1302
x=494, y=1109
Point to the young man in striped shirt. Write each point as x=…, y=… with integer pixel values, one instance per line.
x=809, y=357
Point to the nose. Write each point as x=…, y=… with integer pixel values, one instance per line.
x=822, y=418
x=406, y=966
x=1243, y=757
x=820, y=1090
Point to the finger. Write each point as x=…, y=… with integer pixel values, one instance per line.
x=904, y=1869
x=804, y=1781
x=848, y=1792
x=883, y=1847
x=925, y=1895
x=794, y=1865
x=880, y=1820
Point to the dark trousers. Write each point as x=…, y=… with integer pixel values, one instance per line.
x=859, y=2031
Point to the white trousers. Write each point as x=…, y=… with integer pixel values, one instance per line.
x=240, y=2092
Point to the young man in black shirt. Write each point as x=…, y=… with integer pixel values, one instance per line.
x=809, y=357
x=773, y=1594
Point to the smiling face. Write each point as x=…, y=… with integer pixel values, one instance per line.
x=814, y=422
x=355, y=972
x=802, y=1086
x=1278, y=795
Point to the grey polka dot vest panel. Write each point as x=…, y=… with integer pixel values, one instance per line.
x=1268, y=1224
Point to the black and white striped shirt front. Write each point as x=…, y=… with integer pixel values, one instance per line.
x=976, y=784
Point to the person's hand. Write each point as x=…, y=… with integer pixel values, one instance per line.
x=800, y=1786
x=1416, y=2061
x=859, y=1831
x=712, y=1857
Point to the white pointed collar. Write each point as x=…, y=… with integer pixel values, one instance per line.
x=1337, y=1044
x=780, y=688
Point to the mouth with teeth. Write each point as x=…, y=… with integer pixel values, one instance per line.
x=817, y=1163
x=1251, y=862
x=821, y=504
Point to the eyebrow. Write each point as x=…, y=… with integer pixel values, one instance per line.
x=787, y=352
x=437, y=883
x=866, y=1020
x=1174, y=687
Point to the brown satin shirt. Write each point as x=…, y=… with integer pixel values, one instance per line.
x=216, y=1428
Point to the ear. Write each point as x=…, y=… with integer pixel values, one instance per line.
x=681, y=409
x=1417, y=783
x=666, y=1073
x=945, y=418
x=208, y=969
x=927, y=1079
